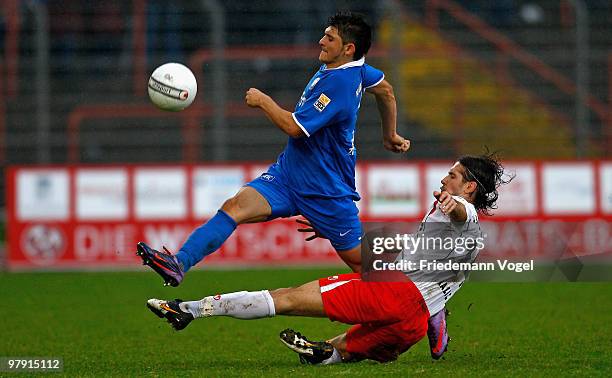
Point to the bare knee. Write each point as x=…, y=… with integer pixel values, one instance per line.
x=304, y=300
x=247, y=206
x=283, y=300
x=238, y=206
x=231, y=206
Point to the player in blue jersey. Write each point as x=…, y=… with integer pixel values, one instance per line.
x=315, y=174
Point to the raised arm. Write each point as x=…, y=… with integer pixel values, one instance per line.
x=387, y=107
x=279, y=116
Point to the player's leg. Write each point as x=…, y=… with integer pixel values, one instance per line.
x=336, y=219
x=390, y=316
x=382, y=343
x=248, y=205
x=303, y=300
x=352, y=258
x=343, y=297
x=262, y=199
x=394, y=312
x=239, y=305
x=339, y=343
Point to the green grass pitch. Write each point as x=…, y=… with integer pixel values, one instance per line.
x=99, y=325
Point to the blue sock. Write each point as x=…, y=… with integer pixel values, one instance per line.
x=206, y=239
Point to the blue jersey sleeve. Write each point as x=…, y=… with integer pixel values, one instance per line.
x=372, y=76
x=324, y=106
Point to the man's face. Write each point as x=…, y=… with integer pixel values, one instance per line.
x=455, y=183
x=332, y=47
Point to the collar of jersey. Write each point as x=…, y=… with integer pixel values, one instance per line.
x=354, y=63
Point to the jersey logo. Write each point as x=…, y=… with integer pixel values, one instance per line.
x=302, y=99
x=322, y=102
x=267, y=177
x=314, y=82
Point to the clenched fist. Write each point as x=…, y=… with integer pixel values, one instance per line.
x=396, y=143
x=254, y=97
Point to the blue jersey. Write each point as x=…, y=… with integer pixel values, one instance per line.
x=322, y=163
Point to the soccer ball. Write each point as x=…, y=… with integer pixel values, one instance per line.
x=172, y=87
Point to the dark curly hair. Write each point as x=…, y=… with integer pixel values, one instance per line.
x=353, y=28
x=488, y=173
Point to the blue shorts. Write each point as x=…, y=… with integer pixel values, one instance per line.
x=337, y=219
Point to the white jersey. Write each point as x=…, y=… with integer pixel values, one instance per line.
x=438, y=286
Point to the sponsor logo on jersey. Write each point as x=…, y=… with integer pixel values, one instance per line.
x=322, y=102
x=267, y=177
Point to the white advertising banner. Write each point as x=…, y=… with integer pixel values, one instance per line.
x=568, y=188
x=605, y=176
x=519, y=197
x=393, y=191
x=101, y=194
x=160, y=193
x=212, y=186
x=257, y=170
x=43, y=194
x=84, y=217
x=434, y=173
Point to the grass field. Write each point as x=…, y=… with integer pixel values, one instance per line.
x=98, y=323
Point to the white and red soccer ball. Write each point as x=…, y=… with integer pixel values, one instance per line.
x=172, y=87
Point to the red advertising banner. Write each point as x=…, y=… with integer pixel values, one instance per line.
x=91, y=217
x=89, y=245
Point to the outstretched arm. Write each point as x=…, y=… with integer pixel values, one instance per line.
x=279, y=116
x=387, y=107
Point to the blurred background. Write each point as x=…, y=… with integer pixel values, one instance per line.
x=532, y=79
x=89, y=167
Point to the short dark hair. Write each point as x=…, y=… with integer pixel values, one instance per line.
x=488, y=173
x=353, y=28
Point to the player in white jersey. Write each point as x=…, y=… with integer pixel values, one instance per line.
x=438, y=286
x=389, y=315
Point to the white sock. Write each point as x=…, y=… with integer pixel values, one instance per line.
x=240, y=305
x=333, y=359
